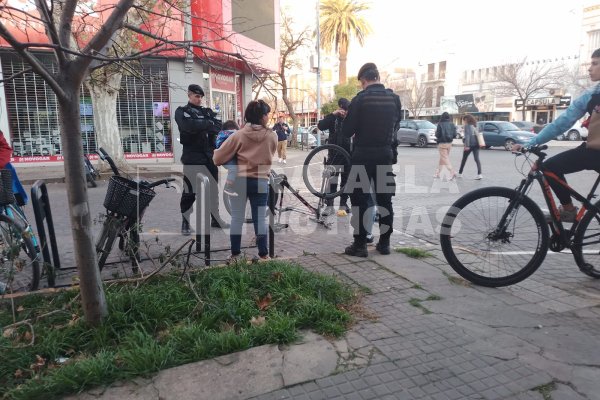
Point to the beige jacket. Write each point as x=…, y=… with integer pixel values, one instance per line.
x=254, y=146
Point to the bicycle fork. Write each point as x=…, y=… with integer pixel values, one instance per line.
x=501, y=231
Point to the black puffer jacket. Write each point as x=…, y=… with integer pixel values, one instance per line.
x=445, y=131
x=334, y=124
x=373, y=118
x=198, y=129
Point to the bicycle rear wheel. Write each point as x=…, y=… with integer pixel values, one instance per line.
x=110, y=229
x=19, y=260
x=324, y=166
x=480, y=251
x=586, y=244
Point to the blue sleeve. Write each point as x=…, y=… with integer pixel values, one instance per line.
x=576, y=110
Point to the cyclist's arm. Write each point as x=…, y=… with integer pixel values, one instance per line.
x=576, y=110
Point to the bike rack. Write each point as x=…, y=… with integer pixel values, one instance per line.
x=41, y=209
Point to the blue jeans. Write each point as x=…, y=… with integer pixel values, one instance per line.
x=256, y=190
x=231, y=167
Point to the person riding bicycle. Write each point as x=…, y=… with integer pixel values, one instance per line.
x=584, y=157
x=5, y=154
x=333, y=122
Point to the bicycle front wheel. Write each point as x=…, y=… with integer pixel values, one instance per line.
x=323, y=170
x=110, y=229
x=586, y=244
x=482, y=251
x=19, y=260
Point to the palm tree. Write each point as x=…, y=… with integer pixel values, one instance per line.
x=340, y=20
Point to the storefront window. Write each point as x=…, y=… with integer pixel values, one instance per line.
x=143, y=110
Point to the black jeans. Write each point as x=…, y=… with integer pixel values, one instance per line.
x=188, y=197
x=570, y=161
x=475, y=151
x=379, y=179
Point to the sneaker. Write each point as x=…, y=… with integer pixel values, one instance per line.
x=357, y=250
x=479, y=177
x=233, y=259
x=228, y=190
x=344, y=207
x=257, y=259
x=459, y=175
x=280, y=160
x=567, y=216
x=370, y=238
x=329, y=210
x=284, y=161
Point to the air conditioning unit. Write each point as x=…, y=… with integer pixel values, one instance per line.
x=556, y=92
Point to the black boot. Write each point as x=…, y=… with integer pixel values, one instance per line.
x=357, y=249
x=217, y=222
x=185, y=227
x=383, y=246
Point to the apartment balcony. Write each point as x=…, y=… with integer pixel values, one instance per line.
x=433, y=77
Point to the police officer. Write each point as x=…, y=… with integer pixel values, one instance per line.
x=198, y=128
x=373, y=118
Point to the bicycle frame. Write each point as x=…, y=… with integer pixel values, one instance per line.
x=16, y=213
x=316, y=211
x=543, y=177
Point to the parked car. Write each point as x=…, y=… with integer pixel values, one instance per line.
x=324, y=134
x=576, y=132
x=525, y=126
x=303, y=137
x=416, y=132
x=502, y=133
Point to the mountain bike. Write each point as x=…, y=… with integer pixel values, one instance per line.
x=497, y=236
x=20, y=256
x=322, y=167
x=125, y=203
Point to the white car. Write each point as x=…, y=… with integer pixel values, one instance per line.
x=576, y=132
x=305, y=138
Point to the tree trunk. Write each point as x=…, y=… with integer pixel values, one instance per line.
x=104, y=88
x=92, y=293
x=343, y=59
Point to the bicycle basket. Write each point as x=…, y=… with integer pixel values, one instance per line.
x=6, y=193
x=126, y=197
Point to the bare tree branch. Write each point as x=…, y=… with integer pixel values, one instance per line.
x=16, y=75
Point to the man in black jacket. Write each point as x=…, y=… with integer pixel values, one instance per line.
x=333, y=122
x=373, y=119
x=198, y=128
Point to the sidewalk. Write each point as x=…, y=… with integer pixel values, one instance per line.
x=424, y=334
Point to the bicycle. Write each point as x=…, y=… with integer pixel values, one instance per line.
x=125, y=203
x=20, y=256
x=91, y=173
x=323, y=166
x=498, y=236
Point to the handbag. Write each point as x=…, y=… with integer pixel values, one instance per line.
x=480, y=139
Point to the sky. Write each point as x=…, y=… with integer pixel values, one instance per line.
x=477, y=32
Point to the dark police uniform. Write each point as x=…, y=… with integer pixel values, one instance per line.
x=198, y=129
x=373, y=119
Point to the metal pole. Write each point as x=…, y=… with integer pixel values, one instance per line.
x=203, y=215
x=318, y=74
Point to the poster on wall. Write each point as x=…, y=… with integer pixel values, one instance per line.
x=465, y=103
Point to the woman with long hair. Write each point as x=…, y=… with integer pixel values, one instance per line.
x=471, y=145
x=254, y=146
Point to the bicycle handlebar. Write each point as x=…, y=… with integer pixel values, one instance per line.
x=161, y=182
x=105, y=157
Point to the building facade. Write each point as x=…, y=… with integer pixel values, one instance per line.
x=151, y=89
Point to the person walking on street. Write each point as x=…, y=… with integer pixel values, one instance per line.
x=584, y=157
x=254, y=146
x=471, y=145
x=445, y=134
x=333, y=122
x=198, y=128
x=283, y=134
x=373, y=118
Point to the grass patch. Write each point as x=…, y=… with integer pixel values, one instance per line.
x=163, y=323
x=433, y=297
x=457, y=280
x=418, y=304
x=546, y=390
x=417, y=286
x=413, y=252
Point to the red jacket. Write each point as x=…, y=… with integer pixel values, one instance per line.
x=5, y=151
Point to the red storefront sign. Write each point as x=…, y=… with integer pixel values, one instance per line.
x=222, y=80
